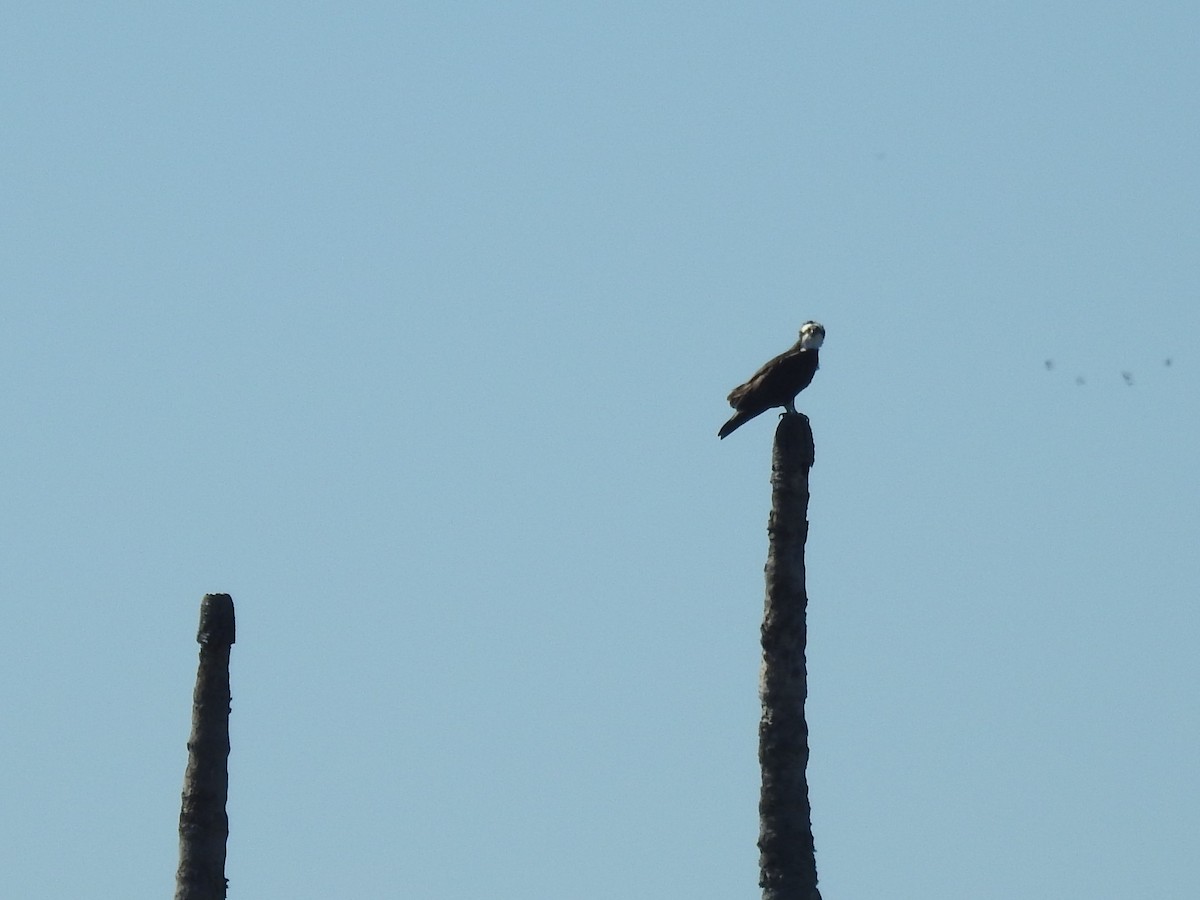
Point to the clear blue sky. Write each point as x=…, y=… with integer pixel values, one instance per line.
x=410, y=325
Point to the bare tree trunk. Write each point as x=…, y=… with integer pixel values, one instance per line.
x=203, y=822
x=787, y=858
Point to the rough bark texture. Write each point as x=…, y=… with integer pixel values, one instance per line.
x=203, y=822
x=787, y=859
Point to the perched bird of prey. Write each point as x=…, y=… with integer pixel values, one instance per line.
x=779, y=381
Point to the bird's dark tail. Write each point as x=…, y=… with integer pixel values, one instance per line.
x=737, y=421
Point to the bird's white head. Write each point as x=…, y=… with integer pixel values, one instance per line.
x=812, y=335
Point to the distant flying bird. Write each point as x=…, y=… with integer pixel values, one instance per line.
x=779, y=381
x=1049, y=364
x=1128, y=376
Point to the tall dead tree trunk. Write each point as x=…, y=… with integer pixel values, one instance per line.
x=203, y=822
x=787, y=858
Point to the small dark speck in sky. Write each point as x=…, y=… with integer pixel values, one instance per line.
x=1079, y=379
x=1049, y=364
x=1128, y=376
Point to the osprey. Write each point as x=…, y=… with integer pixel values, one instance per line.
x=779, y=381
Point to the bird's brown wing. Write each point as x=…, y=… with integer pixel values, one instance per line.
x=738, y=395
x=757, y=389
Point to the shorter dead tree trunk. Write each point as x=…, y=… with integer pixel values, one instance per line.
x=787, y=858
x=203, y=821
